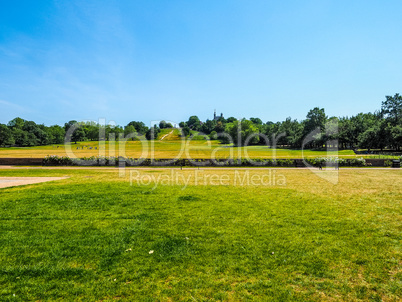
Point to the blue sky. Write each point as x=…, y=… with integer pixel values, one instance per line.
x=153, y=60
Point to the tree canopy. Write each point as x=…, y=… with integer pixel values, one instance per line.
x=379, y=130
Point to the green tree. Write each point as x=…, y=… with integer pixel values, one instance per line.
x=243, y=132
x=16, y=123
x=78, y=135
x=331, y=134
x=270, y=130
x=56, y=134
x=92, y=132
x=369, y=138
x=231, y=119
x=6, y=136
x=384, y=137
x=185, y=131
x=256, y=120
x=345, y=129
x=139, y=127
x=293, y=132
x=359, y=124
x=36, y=136
x=396, y=133
x=32, y=140
x=20, y=137
x=162, y=124
x=213, y=135
x=194, y=123
x=130, y=130
x=392, y=109
x=116, y=131
x=152, y=133
x=208, y=126
x=315, y=120
x=219, y=127
x=69, y=124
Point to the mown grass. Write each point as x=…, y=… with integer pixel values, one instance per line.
x=90, y=238
x=170, y=147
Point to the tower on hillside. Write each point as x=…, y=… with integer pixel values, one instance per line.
x=217, y=117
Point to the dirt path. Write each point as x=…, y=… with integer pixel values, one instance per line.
x=166, y=135
x=20, y=181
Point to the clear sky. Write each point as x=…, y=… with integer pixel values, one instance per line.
x=152, y=60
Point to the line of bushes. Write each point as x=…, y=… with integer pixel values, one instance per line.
x=54, y=160
x=336, y=161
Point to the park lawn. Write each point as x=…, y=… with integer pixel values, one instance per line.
x=95, y=237
x=170, y=147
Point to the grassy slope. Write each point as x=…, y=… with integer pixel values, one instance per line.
x=89, y=237
x=170, y=147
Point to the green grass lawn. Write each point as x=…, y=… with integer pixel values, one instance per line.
x=90, y=237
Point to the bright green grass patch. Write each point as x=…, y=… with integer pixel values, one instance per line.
x=91, y=237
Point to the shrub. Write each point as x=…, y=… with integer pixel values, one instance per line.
x=333, y=161
x=213, y=135
x=387, y=163
x=55, y=160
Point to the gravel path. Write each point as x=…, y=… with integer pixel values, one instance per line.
x=166, y=135
x=20, y=181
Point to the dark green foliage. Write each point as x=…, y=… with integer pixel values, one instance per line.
x=185, y=131
x=20, y=137
x=56, y=134
x=16, y=123
x=139, y=127
x=256, y=120
x=335, y=161
x=208, y=126
x=163, y=125
x=6, y=136
x=231, y=119
x=69, y=124
x=152, y=133
x=54, y=160
x=213, y=135
x=28, y=133
x=392, y=109
x=242, y=133
x=194, y=123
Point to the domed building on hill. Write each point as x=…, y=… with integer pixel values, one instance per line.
x=217, y=117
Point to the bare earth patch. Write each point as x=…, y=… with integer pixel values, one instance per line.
x=20, y=181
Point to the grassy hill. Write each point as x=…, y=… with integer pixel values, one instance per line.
x=170, y=147
x=169, y=144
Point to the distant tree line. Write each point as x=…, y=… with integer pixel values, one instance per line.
x=23, y=133
x=27, y=133
x=378, y=130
